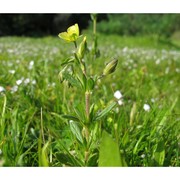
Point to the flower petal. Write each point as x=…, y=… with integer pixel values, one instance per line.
x=73, y=30
x=65, y=36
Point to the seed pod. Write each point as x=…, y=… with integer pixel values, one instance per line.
x=110, y=67
x=82, y=48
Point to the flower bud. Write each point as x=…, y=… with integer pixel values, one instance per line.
x=110, y=67
x=82, y=48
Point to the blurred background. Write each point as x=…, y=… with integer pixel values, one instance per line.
x=36, y=25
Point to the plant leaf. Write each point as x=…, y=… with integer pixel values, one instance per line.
x=159, y=154
x=105, y=111
x=76, y=130
x=79, y=110
x=67, y=61
x=70, y=117
x=109, y=154
x=72, y=80
x=90, y=84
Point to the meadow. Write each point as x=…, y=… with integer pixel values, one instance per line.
x=142, y=130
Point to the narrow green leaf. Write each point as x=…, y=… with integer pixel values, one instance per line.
x=105, y=111
x=72, y=80
x=70, y=117
x=138, y=143
x=159, y=154
x=91, y=114
x=163, y=121
x=109, y=154
x=90, y=84
x=67, y=61
x=76, y=130
x=42, y=153
x=80, y=112
x=44, y=157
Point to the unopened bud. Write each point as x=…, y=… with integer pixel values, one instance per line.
x=61, y=76
x=82, y=48
x=110, y=67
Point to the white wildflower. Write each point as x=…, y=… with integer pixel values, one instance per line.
x=17, y=61
x=34, y=81
x=14, y=89
x=125, y=49
x=12, y=71
x=31, y=64
x=143, y=156
x=146, y=107
x=53, y=84
x=2, y=89
x=118, y=95
x=26, y=81
x=18, y=82
x=120, y=102
x=158, y=61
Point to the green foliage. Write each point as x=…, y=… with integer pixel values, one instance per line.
x=159, y=153
x=140, y=24
x=147, y=72
x=109, y=153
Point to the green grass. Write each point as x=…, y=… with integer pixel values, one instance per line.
x=33, y=131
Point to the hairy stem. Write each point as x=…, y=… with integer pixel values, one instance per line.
x=87, y=103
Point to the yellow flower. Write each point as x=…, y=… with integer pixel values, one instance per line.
x=71, y=35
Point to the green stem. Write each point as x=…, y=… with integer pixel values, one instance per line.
x=75, y=44
x=94, y=26
x=87, y=103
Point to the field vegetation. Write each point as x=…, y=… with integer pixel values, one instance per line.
x=134, y=114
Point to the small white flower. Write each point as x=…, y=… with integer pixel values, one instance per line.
x=2, y=89
x=158, y=61
x=31, y=64
x=143, y=156
x=0, y=151
x=118, y=95
x=17, y=61
x=14, y=89
x=146, y=107
x=125, y=49
x=34, y=81
x=12, y=71
x=27, y=81
x=53, y=84
x=120, y=102
x=18, y=82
